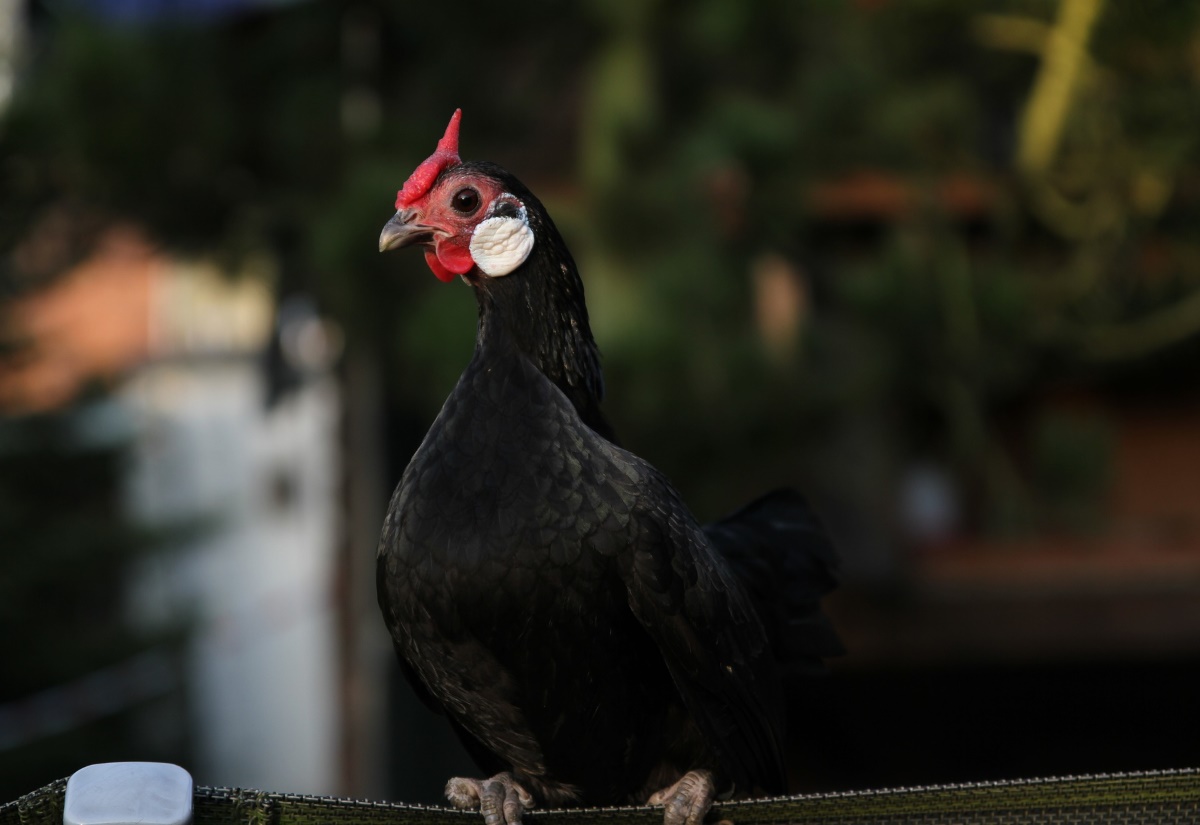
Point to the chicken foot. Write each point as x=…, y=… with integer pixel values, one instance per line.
x=500, y=799
x=688, y=800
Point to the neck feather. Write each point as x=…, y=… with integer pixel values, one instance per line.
x=542, y=312
x=540, y=309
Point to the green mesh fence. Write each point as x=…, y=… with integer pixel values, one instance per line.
x=1157, y=797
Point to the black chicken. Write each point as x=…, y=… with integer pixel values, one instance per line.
x=548, y=590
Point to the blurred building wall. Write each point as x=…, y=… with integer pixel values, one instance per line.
x=248, y=479
x=262, y=664
x=263, y=482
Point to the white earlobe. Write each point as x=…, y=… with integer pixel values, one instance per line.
x=501, y=244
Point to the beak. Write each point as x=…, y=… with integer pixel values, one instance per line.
x=403, y=230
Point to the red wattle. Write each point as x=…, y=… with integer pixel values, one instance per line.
x=449, y=260
x=440, y=271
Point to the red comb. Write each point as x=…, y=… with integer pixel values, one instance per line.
x=446, y=155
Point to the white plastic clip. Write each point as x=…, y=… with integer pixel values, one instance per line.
x=129, y=793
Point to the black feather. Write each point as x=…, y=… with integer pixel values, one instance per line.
x=551, y=593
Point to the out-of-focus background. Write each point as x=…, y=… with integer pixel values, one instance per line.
x=937, y=263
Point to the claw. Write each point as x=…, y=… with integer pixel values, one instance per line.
x=688, y=800
x=501, y=799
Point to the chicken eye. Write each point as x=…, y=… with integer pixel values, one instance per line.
x=465, y=201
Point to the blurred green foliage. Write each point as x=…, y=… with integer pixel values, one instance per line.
x=948, y=325
x=679, y=146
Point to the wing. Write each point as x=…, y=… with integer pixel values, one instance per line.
x=710, y=637
x=453, y=674
x=778, y=550
x=487, y=761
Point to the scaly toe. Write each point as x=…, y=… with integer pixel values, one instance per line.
x=501, y=799
x=463, y=793
x=688, y=800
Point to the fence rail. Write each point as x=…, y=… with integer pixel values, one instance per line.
x=1161, y=797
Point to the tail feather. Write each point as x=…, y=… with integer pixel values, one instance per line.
x=779, y=550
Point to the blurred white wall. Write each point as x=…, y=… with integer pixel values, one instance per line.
x=257, y=580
